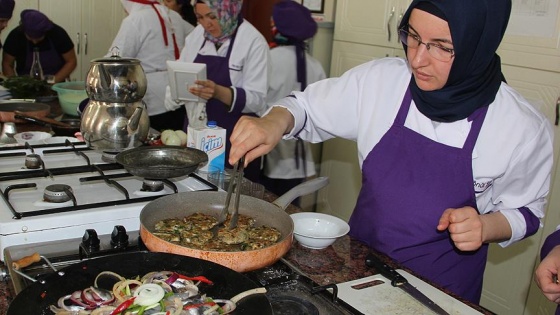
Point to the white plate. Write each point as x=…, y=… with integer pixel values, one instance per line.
x=181, y=76
x=32, y=137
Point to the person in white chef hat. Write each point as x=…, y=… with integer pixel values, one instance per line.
x=153, y=34
x=452, y=157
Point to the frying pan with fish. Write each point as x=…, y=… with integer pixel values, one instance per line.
x=212, y=202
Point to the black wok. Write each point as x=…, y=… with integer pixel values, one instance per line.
x=161, y=162
x=36, y=298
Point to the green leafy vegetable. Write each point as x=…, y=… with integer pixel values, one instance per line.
x=26, y=87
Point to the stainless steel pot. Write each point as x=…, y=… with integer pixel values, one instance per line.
x=116, y=80
x=115, y=118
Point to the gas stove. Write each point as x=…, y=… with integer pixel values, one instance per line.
x=288, y=290
x=51, y=192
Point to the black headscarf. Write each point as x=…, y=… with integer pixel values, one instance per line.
x=477, y=28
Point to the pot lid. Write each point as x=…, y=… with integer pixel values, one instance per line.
x=115, y=58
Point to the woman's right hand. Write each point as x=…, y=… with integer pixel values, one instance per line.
x=254, y=137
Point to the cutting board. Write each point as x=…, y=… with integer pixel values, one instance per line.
x=376, y=295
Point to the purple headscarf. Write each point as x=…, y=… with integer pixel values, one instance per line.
x=294, y=21
x=6, y=9
x=34, y=23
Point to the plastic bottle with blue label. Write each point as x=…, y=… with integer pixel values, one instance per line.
x=212, y=140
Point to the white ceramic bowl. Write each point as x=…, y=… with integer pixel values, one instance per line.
x=318, y=230
x=33, y=137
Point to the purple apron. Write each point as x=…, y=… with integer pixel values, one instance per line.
x=51, y=60
x=408, y=181
x=217, y=70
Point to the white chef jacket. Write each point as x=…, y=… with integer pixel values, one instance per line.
x=248, y=62
x=280, y=162
x=140, y=36
x=512, y=158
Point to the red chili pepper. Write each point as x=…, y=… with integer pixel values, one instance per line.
x=123, y=306
x=197, y=278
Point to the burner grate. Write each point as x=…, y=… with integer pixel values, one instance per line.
x=294, y=294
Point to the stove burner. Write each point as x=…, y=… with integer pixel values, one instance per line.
x=33, y=161
x=152, y=185
x=57, y=193
x=291, y=305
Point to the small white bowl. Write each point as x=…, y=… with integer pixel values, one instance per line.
x=32, y=137
x=318, y=230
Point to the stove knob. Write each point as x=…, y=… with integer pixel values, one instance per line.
x=119, y=238
x=90, y=240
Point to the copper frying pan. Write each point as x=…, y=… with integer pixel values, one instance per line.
x=212, y=202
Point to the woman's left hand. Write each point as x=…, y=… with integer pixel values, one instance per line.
x=464, y=226
x=204, y=89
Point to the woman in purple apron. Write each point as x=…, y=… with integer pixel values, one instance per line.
x=56, y=49
x=437, y=139
x=226, y=101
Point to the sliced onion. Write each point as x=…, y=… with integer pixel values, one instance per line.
x=107, y=273
x=76, y=298
x=120, y=286
x=172, y=278
x=104, y=310
x=148, y=294
x=227, y=306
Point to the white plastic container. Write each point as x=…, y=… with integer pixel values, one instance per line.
x=212, y=140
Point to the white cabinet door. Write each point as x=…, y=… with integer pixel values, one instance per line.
x=538, y=51
x=369, y=22
x=92, y=25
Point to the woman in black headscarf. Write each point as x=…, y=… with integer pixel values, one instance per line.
x=452, y=157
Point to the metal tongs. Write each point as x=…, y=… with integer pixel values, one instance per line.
x=235, y=183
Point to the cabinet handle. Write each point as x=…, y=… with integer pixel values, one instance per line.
x=391, y=14
x=78, y=43
x=557, y=111
x=85, y=44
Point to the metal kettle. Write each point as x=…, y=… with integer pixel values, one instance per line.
x=115, y=118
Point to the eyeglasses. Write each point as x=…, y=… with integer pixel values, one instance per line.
x=413, y=41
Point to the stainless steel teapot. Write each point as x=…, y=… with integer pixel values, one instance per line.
x=115, y=118
x=116, y=80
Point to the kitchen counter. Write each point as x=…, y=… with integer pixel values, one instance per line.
x=343, y=261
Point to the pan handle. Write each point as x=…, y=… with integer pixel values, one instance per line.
x=31, y=119
x=300, y=190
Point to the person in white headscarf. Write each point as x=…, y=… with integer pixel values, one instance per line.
x=237, y=65
x=153, y=34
